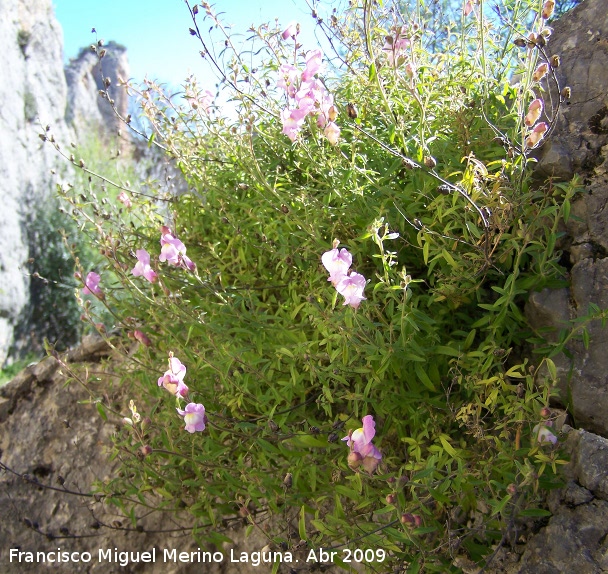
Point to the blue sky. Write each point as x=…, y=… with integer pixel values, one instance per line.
x=155, y=32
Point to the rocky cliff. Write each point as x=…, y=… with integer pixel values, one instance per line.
x=36, y=92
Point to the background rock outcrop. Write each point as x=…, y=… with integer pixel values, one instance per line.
x=34, y=93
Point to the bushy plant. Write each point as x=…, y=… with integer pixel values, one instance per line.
x=330, y=326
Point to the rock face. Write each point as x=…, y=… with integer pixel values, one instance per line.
x=85, y=76
x=32, y=92
x=35, y=92
x=579, y=145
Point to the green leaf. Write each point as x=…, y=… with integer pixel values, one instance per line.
x=424, y=378
x=372, y=72
x=302, y=524
x=101, y=411
x=535, y=512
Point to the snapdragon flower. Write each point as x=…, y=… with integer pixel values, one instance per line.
x=124, y=199
x=535, y=109
x=173, y=251
x=536, y=135
x=337, y=262
x=363, y=452
x=351, y=288
x=543, y=434
x=291, y=31
x=173, y=379
x=394, y=48
x=194, y=417
x=288, y=79
x=142, y=267
x=540, y=72
x=91, y=285
x=314, y=64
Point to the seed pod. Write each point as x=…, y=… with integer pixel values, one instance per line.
x=520, y=42
x=566, y=93
x=430, y=161
x=351, y=110
x=288, y=480
x=555, y=61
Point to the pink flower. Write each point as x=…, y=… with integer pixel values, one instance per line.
x=288, y=79
x=332, y=133
x=536, y=135
x=540, y=72
x=194, y=417
x=124, y=199
x=543, y=434
x=293, y=121
x=337, y=262
x=468, y=7
x=173, y=251
x=198, y=99
x=351, y=288
x=314, y=62
x=535, y=109
x=91, y=285
x=173, y=379
x=395, y=49
x=142, y=266
x=292, y=30
x=360, y=443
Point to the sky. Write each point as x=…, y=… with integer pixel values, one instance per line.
x=156, y=35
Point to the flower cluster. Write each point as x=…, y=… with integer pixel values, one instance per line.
x=309, y=95
x=395, y=49
x=173, y=380
x=362, y=451
x=350, y=286
x=535, y=110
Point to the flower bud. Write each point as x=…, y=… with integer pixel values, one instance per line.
x=520, y=42
x=555, y=61
x=512, y=489
x=566, y=92
x=408, y=519
x=354, y=460
x=288, y=480
x=146, y=450
x=351, y=110
x=545, y=412
x=391, y=498
x=548, y=8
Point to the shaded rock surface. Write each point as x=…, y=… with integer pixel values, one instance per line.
x=579, y=145
x=53, y=446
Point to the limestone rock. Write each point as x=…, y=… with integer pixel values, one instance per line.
x=581, y=41
x=32, y=94
x=85, y=76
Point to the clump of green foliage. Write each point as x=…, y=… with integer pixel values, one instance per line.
x=428, y=188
